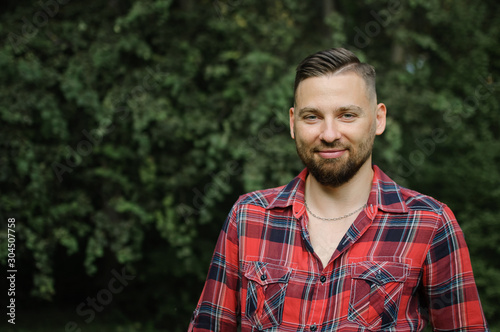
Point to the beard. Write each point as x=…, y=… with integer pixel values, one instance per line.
x=336, y=171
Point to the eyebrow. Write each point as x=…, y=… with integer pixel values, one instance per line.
x=353, y=108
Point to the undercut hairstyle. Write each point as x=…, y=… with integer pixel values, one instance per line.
x=335, y=61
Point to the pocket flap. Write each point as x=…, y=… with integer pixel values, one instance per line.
x=380, y=272
x=266, y=273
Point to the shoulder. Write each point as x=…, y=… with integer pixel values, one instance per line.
x=254, y=205
x=396, y=197
x=416, y=201
x=426, y=211
x=278, y=197
x=261, y=198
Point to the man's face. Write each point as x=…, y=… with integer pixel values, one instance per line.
x=334, y=123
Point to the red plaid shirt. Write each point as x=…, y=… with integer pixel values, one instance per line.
x=403, y=262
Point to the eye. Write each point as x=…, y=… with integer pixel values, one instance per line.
x=348, y=116
x=310, y=117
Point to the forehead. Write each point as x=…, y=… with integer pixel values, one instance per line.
x=332, y=90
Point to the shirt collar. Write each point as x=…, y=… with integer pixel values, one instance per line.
x=385, y=194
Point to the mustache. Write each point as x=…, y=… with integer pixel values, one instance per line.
x=333, y=145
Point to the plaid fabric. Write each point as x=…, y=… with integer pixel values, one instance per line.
x=403, y=262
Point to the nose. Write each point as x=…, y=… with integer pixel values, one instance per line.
x=329, y=132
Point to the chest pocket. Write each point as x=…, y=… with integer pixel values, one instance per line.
x=376, y=291
x=266, y=289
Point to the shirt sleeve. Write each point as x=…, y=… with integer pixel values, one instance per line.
x=449, y=285
x=218, y=306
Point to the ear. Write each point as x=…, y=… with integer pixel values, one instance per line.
x=292, y=123
x=381, y=117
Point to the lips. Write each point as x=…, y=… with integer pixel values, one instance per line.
x=330, y=154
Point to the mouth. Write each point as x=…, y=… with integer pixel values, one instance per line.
x=331, y=154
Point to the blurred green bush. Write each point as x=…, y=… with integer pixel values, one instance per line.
x=128, y=128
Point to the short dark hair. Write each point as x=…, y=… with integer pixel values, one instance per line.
x=335, y=60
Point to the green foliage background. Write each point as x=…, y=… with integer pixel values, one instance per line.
x=128, y=129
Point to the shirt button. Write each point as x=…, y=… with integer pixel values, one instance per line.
x=263, y=277
x=322, y=279
x=313, y=328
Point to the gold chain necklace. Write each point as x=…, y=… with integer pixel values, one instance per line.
x=333, y=219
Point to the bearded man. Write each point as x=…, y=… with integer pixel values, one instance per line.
x=342, y=247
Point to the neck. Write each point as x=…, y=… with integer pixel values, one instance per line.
x=340, y=200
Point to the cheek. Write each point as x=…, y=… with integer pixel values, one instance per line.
x=360, y=134
x=303, y=135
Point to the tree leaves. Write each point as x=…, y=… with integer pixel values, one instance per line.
x=129, y=128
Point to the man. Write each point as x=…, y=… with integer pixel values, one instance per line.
x=341, y=247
